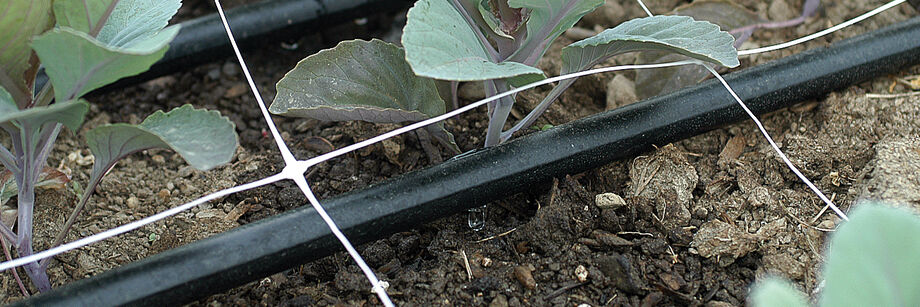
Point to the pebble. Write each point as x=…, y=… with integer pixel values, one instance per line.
x=578, y=33
x=163, y=194
x=609, y=201
x=186, y=171
x=524, y=275
x=581, y=273
x=499, y=301
x=133, y=202
x=230, y=69
x=471, y=91
x=621, y=91
x=214, y=74
x=158, y=159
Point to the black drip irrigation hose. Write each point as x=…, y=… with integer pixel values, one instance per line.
x=272, y=245
x=202, y=40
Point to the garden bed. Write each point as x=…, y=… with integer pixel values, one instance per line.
x=851, y=145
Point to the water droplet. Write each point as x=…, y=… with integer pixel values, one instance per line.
x=476, y=218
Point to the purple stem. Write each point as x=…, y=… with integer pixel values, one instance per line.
x=8, y=160
x=533, y=49
x=542, y=107
x=808, y=8
x=499, y=114
x=26, y=206
x=6, y=252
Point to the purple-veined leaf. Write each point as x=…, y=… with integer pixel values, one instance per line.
x=724, y=13
x=548, y=20
x=441, y=44
x=82, y=15
x=132, y=38
x=677, y=34
x=69, y=113
x=358, y=80
x=205, y=139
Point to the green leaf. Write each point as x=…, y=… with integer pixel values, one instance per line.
x=775, y=292
x=88, y=64
x=440, y=44
x=548, y=20
x=7, y=105
x=138, y=22
x=69, y=113
x=20, y=20
x=80, y=15
x=724, y=13
x=203, y=138
x=873, y=260
x=358, y=80
x=679, y=34
x=132, y=38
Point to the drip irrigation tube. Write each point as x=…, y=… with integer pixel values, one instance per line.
x=203, y=39
x=272, y=245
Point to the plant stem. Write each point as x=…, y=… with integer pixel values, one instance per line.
x=8, y=160
x=6, y=252
x=45, y=95
x=536, y=112
x=7, y=232
x=26, y=206
x=59, y=239
x=499, y=114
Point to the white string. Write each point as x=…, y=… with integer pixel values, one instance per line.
x=295, y=169
x=285, y=152
x=133, y=225
x=645, y=8
x=299, y=167
x=775, y=147
x=823, y=32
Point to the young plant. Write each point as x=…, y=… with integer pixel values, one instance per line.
x=872, y=261
x=84, y=45
x=497, y=42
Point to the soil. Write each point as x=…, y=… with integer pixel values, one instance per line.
x=699, y=220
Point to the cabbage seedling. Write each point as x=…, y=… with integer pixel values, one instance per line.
x=84, y=45
x=497, y=42
x=872, y=261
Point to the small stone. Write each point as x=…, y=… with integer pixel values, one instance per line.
x=621, y=91
x=471, y=91
x=158, y=159
x=236, y=90
x=214, y=74
x=186, y=171
x=524, y=275
x=230, y=69
x=499, y=301
x=780, y=10
x=486, y=262
x=827, y=224
x=609, y=201
x=163, y=194
x=578, y=33
x=581, y=273
x=133, y=202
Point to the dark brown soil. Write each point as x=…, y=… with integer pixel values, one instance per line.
x=700, y=221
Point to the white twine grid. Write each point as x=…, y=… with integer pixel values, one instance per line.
x=295, y=169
